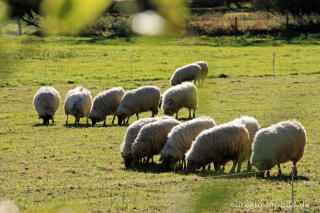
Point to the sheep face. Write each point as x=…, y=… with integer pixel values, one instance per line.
x=137, y=156
x=128, y=160
x=46, y=119
x=263, y=164
x=121, y=118
x=193, y=165
x=169, y=162
x=94, y=119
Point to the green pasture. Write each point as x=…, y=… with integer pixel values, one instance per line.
x=44, y=168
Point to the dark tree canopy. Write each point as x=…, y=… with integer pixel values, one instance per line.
x=20, y=8
x=293, y=7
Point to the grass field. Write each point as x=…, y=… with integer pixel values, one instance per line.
x=46, y=167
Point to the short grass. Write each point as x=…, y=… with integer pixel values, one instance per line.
x=45, y=167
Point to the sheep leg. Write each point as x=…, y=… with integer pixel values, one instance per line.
x=104, y=122
x=239, y=167
x=209, y=166
x=184, y=164
x=67, y=119
x=177, y=115
x=234, y=164
x=279, y=170
x=75, y=121
x=87, y=120
x=194, y=113
x=295, y=170
x=137, y=116
x=249, y=166
x=52, y=119
x=189, y=113
x=268, y=173
x=152, y=159
x=114, y=116
x=127, y=120
x=152, y=115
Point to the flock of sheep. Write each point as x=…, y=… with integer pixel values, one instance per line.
x=200, y=141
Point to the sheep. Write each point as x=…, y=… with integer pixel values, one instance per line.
x=177, y=97
x=46, y=101
x=253, y=127
x=190, y=72
x=219, y=145
x=78, y=103
x=151, y=139
x=139, y=100
x=106, y=103
x=279, y=143
x=131, y=135
x=180, y=139
x=203, y=70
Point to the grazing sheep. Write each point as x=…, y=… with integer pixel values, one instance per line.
x=253, y=127
x=78, y=103
x=203, y=71
x=190, y=72
x=139, y=100
x=279, y=143
x=180, y=96
x=46, y=101
x=106, y=103
x=131, y=135
x=219, y=144
x=180, y=139
x=151, y=139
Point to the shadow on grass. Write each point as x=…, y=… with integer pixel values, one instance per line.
x=286, y=178
x=77, y=125
x=40, y=124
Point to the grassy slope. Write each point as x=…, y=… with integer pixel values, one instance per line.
x=43, y=167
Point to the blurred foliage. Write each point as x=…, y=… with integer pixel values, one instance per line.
x=70, y=16
x=109, y=26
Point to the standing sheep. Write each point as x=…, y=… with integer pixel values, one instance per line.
x=253, y=127
x=151, y=139
x=203, y=70
x=180, y=139
x=46, y=101
x=139, y=100
x=78, y=103
x=131, y=135
x=190, y=72
x=180, y=96
x=219, y=144
x=106, y=103
x=279, y=143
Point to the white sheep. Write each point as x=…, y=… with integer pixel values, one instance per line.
x=106, y=103
x=219, y=145
x=46, y=101
x=279, y=143
x=151, y=139
x=139, y=100
x=253, y=127
x=181, y=96
x=190, y=72
x=78, y=103
x=203, y=71
x=131, y=135
x=180, y=139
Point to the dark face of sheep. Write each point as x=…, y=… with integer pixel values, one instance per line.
x=121, y=118
x=128, y=161
x=46, y=119
x=168, y=112
x=169, y=162
x=192, y=166
x=137, y=156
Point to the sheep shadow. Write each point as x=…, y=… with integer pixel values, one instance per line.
x=104, y=126
x=285, y=178
x=184, y=119
x=148, y=168
x=41, y=124
x=77, y=125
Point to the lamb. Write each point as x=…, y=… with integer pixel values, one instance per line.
x=279, y=143
x=106, y=103
x=203, y=70
x=151, y=139
x=219, y=145
x=190, y=72
x=180, y=96
x=253, y=127
x=180, y=139
x=46, y=101
x=139, y=100
x=78, y=103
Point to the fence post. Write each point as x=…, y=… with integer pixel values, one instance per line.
x=274, y=59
